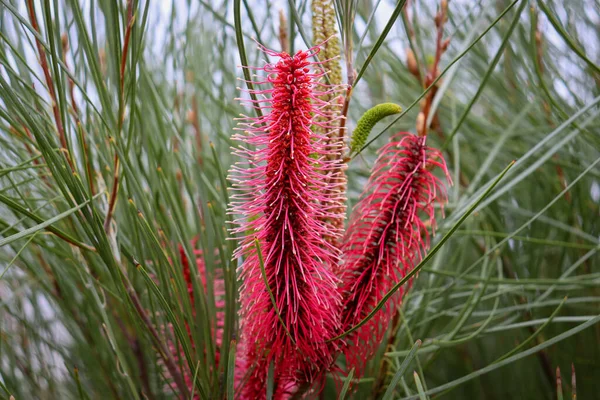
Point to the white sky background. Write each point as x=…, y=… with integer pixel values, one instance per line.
x=162, y=14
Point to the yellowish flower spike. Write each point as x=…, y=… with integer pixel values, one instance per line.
x=325, y=35
x=324, y=28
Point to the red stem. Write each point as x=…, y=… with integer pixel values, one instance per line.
x=49, y=81
x=115, y=188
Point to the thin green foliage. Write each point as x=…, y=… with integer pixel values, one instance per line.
x=347, y=383
x=389, y=392
x=117, y=278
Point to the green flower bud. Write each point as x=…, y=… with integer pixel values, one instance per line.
x=368, y=121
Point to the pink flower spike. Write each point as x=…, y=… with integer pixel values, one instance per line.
x=387, y=237
x=218, y=284
x=282, y=198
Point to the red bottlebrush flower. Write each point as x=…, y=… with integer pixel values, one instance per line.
x=387, y=237
x=251, y=370
x=218, y=291
x=281, y=195
x=217, y=331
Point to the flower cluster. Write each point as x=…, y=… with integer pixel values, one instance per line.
x=303, y=282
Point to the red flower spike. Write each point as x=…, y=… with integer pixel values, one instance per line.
x=217, y=331
x=387, y=237
x=282, y=198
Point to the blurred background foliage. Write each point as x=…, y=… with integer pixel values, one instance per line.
x=115, y=125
